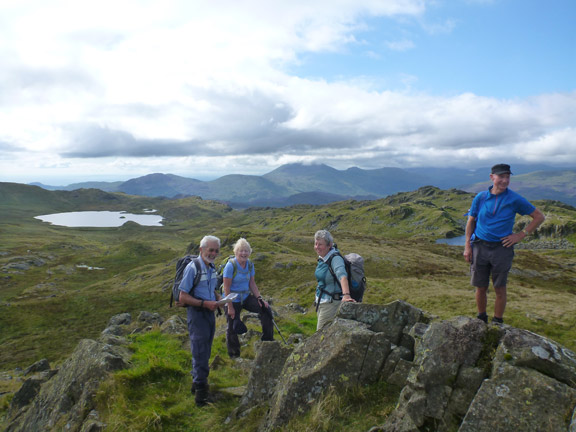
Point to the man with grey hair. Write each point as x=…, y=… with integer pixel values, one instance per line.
x=201, y=301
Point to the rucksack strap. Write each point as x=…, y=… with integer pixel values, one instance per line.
x=332, y=272
x=235, y=265
x=198, y=274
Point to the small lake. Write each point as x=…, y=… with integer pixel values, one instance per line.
x=454, y=241
x=100, y=219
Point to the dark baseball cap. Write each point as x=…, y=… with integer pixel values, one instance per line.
x=501, y=169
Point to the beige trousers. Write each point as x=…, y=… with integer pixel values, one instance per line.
x=326, y=313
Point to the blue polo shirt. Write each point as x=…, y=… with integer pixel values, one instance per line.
x=240, y=281
x=207, y=284
x=495, y=214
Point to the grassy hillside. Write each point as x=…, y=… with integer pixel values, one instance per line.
x=47, y=302
x=50, y=299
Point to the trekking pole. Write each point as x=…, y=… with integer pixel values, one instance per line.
x=279, y=332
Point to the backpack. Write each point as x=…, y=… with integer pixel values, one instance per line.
x=220, y=273
x=180, y=266
x=354, y=264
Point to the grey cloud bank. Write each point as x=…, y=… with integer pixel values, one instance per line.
x=195, y=90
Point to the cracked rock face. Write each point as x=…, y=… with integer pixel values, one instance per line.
x=353, y=350
x=63, y=400
x=520, y=399
x=458, y=374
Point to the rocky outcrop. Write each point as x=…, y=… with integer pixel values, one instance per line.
x=269, y=361
x=63, y=398
x=363, y=345
x=456, y=375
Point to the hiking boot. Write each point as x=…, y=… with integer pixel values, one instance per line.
x=202, y=395
x=496, y=320
x=483, y=316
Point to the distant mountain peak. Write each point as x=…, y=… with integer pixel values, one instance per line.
x=313, y=183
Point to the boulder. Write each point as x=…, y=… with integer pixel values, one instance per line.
x=393, y=320
x=444, y=378
x=39, y=366
x=520, y=399
x=120, y=319
x=150, y=318
x=344, y=354
x=65, y=400
x=525, y=349
x=175, y=325
x=270, y=358
x=28, y=391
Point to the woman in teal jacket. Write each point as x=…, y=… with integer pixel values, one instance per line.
x=329, y=293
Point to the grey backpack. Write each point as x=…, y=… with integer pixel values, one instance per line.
x=355, y=268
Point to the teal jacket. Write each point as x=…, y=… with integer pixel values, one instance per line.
x=326, y=282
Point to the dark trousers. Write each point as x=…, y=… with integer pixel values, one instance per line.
x=251, y=304
x=201, y=328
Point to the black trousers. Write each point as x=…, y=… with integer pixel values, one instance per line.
x=251, y=304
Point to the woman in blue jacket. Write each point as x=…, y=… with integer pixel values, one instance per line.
x=238, y=277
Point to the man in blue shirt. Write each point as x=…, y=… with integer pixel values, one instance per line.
x=201, y=302
x=490, y=238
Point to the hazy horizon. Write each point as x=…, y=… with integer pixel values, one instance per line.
x=108, y=179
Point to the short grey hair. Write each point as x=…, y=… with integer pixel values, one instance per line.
x=242, y=243
x=324, y=235
x=208, y=239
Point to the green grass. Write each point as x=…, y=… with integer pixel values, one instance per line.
x=154, y=394
x=354, y=409
x=47, y=309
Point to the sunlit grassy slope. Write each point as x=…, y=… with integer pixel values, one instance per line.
x=49, y=299
x=47, y=307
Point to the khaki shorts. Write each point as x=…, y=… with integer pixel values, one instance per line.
x=490, y=258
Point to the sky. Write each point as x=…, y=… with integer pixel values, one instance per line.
x=110, y=90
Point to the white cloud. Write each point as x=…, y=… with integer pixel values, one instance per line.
x=557, y=146
x=400, y=45
x=135, y=87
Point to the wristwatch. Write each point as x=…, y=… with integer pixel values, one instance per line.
x=526, y=232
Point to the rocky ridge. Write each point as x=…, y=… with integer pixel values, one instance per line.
x=456, y=375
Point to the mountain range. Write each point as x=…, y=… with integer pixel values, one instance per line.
x=320, y=184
